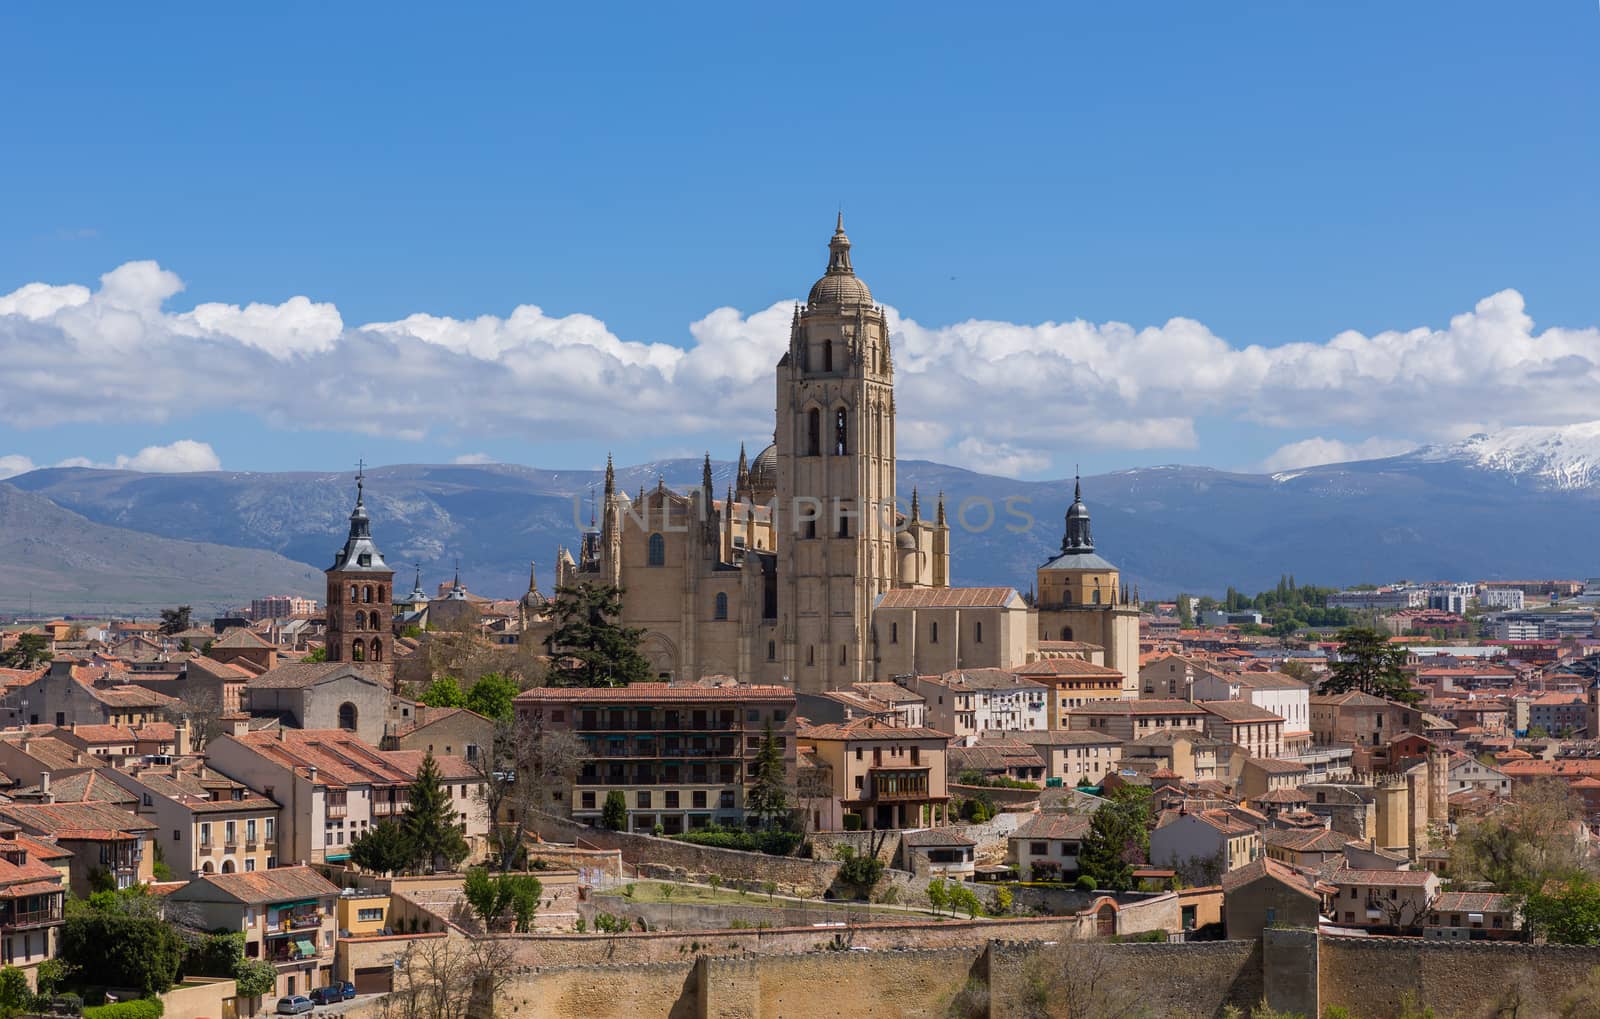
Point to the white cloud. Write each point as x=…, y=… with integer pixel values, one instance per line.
x=1314, y=451
x=182, y=457
x=1020, y=397
x=474, y=458
x=13, y=464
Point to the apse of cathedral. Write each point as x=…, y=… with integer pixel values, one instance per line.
x=784, y=577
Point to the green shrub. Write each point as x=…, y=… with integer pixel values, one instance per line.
x=143, y=1008
x=860, y=872
x=1085, y=883
x=773, y=842
x=852, y=822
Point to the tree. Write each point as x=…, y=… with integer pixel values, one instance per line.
x=123, y=949
x=614, y=815
x=938, y=894
x=443, y=692
x=201, y=709
x=589, y=647
x=449, y=978
x=174, y=621
x=430, y=823
x=1526, y=842
x=489, y=897
x=767, y=799
x=1368, y=663
x=15, y=995
x=254, y=977
x=523, y=765
x=1185, y=612
x=382, y=848
x=491, y=696
x=1118, y=839
x=317, y=654
x=526, y=890
x=29, y=652
x=1567, y=915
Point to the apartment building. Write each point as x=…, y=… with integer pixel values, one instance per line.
x=207, y=822
x=287, y=916
x=1130, y=719
x=971, y=702
x=1284, y=696
x=878, y=775
x=33, y=890
x=682, y=755
x=1257, y=730
x=331, y=787
x=1073, y=682
x=1078, y=757
x=104, y=840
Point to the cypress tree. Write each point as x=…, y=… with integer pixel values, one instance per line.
x=430, y=821
x=767, y=801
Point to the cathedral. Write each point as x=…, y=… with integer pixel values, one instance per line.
x=775, y=582
x=807, y=571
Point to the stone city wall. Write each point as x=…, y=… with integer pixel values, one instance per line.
x=1457, y=979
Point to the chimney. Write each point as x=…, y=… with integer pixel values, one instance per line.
x=44, y=788
x=312, y=770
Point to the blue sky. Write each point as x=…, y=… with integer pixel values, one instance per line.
x=1273, y=173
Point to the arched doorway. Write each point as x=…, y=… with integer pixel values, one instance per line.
x=347, y=716
x=227, y=866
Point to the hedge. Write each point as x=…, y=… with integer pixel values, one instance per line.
x=142, y=1008
x=773, y=843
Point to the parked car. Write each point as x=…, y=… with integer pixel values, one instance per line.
x=330, y=995
x=348, y=990
x=294, y=1004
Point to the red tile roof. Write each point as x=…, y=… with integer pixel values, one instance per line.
x=656, y=693
x=948, y=597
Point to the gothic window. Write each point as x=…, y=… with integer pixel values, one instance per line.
x=347, y=716
x=813, y=432
x=358, y=652
x=840, y=427
x=844, y=525
x=658, y=551
x=827, y=355
x=810, y=655
x=361, y=620
x=377, y=651
x=721, y=606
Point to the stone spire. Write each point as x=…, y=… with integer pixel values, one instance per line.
x=611, y=479
x=939, y=517
x=916, y=512
x=1078, y=537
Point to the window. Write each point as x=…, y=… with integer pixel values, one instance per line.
x=672, y=799
x=374, y=915
x=249, y=864
x=772, y=650
x=1096, y=596
x=813, y=432
x=977, y=633
x=827, y=355
x=810, y=655
x=658, y=551
x=205, y=833
x=721, y=609
x=933, y=633
x=844, y=654
x=894, y=633
x=860, y=782
x=1039, y=848
x=347, y=714
x=61, y=719
x=268, y=829
x=366, y=594
x=840, y=429
x=355, y=594
x=250, y=830
x=377, y=646
x=643, y=800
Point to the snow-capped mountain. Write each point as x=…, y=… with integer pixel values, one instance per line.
x=1562, y=457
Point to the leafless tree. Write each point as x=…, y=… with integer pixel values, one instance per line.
x=449, y=978
x=202, y=709
x=524, y=766
x=1077, y=981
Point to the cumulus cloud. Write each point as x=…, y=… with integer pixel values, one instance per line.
x=181, y=457
x=1314, y=451
x=474, y=458
x=1020, y=397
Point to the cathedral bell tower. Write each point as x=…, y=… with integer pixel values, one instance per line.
x=360, y=587
x=834, y=516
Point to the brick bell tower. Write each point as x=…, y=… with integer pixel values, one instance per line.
x=360, y=593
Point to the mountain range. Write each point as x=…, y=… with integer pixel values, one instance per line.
x=1518, y=503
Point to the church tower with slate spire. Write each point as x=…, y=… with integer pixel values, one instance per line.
x=360, y=593
x=1081, y=598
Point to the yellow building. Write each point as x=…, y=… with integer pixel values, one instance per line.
x=1081, y=597
x=884, y=776
x=361, y=913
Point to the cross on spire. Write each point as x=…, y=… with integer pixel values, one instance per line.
x=361, y=476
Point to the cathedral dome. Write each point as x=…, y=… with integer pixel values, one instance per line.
x=840, y=284
x=764, y=475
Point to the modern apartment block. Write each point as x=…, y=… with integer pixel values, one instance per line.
x=681, y=755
